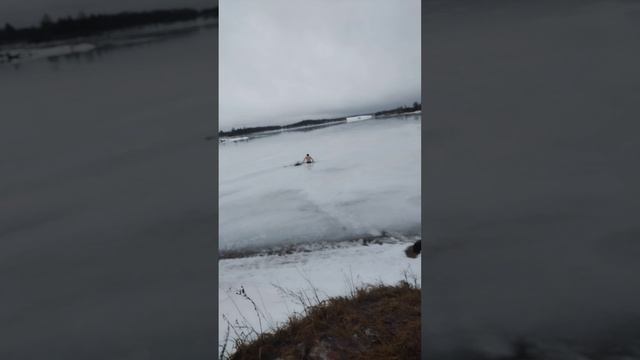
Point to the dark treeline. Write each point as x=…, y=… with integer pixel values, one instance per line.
x=312, y=122
x=248, y=130
x=399, y=110
x=251, y=130
x=87, y=25
x=256, y=129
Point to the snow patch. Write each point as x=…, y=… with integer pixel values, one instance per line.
x=332, y=272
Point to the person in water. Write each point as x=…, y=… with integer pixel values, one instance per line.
x=308, y=159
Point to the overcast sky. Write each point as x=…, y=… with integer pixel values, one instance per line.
x=287, y=60
x=29, y=12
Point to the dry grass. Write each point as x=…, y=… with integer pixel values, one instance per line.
x=376, y=322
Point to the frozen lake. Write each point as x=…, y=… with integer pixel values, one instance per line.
x=366, y=182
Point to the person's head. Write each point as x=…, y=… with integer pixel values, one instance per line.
x=307, y=154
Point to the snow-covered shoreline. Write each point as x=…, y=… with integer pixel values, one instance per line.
x=286, y=249
x=328, y=272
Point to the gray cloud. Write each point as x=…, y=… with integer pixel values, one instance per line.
x=285, y=60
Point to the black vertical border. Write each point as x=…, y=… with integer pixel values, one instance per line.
x=215, y=176
x=423, y=156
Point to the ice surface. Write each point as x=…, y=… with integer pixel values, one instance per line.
x=366, y=181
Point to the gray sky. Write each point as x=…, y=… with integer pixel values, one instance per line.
x=29, y=12
x=286, y=60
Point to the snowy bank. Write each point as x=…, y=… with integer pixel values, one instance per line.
x=330, y=272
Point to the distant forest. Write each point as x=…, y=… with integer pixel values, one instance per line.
x=88, y=25
x=250, y=130
x=255, y=129
x=399, y=110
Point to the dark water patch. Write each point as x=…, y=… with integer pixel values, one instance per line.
x=288, y=249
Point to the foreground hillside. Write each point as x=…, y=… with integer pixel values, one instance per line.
x=376, y=322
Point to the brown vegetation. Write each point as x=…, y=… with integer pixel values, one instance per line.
x=376, y=322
